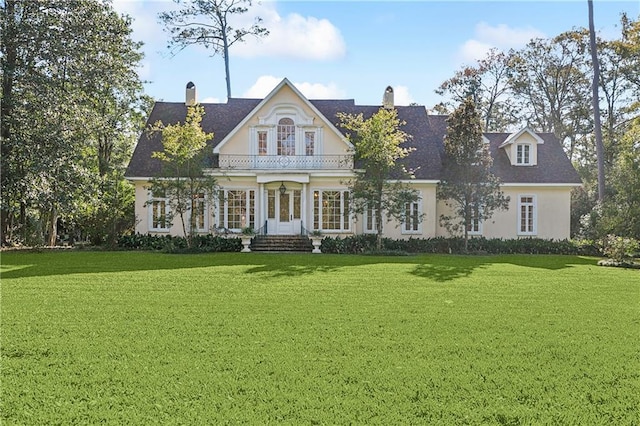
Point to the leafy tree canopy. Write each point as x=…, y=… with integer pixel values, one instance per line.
x=379, y=144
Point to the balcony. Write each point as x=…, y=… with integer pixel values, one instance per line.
x=285, y=162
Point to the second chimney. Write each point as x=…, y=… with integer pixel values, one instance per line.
x=387, y=98
x=191, y=97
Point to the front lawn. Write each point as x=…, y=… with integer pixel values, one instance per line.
x=145, y=338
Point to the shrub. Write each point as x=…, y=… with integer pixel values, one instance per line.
x=619, y=248
x=199, y=243
x=366, y=244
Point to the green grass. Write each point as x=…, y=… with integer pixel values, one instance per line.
x=143, y=338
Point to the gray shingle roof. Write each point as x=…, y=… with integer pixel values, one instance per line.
x=427, y=133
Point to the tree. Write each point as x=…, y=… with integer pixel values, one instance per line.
x=183, y=155
x=596, y=103
x=488, y=84
x=61, y=61
x=379, y=144
x=468, y=186
x=206, y=23
x=620, y=213
x=550, y=84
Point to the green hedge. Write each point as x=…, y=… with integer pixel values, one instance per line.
x=359, y=244
x=199, y=243
x=366, y=244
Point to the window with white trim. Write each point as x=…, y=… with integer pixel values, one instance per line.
x=370, y=220
x=475, y=224
x=527, y=215
x=331, y=210
x=262, y=142
x=159, y=212
x=309, y=142
x=286, y=137
x=199, y=212
x=411, y=222
x=523, y=154
x=236, y=209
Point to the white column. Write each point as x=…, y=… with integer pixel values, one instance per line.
x=303, y=206
x=261, y=214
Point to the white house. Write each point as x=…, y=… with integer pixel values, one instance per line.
x=282, y=165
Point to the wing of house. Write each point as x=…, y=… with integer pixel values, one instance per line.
x=282, y=165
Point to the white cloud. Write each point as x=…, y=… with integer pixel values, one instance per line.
x=320, y=91
x=503, y=35
x=210, y=100
x=500, y=36
x=262, y=87
x=401, y=95
x=143, y=15
x=266, y=83
x=293, y=36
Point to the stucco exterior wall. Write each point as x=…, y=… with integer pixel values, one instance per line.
x=427, y=228
x=552, y=214
x=143, y=213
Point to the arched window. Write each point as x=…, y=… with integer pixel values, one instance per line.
x=286, y=137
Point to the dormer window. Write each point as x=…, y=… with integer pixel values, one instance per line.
x=522, y=147
x=286, y=137
x=523, y=154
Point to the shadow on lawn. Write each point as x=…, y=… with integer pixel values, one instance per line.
x=439, y=268
x=452, y=267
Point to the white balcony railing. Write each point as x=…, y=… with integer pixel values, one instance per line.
x=288, y=162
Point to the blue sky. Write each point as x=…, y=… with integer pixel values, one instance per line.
x=354, y=49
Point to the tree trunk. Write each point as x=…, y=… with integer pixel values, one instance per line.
x=226, y=64
x=596, y=103
x=380, y=187
x=466, y=240
x=53, y=227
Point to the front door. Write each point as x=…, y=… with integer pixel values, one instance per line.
x=287, y=212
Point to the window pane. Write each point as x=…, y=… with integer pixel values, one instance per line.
x=296, y=204
x=286, y=137
x=236, y=209
x=284, y=207
x=262, y=143
x=371, y=219
x=309, y=142
x=252, y=209
x=159, y=214
x=271, y=203
x=411, y=215
x=526, y=214
x=316, y=210
x=199, y=212
x=345, y=210
x=331, y=210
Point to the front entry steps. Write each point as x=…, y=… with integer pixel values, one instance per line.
x=281, y=243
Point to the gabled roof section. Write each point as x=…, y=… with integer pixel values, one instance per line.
x=219, y=118
x=252, y=114
x=514, y=137
x=553, y=165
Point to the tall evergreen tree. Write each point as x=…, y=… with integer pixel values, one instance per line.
x=469, y=188
x=207, y=23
